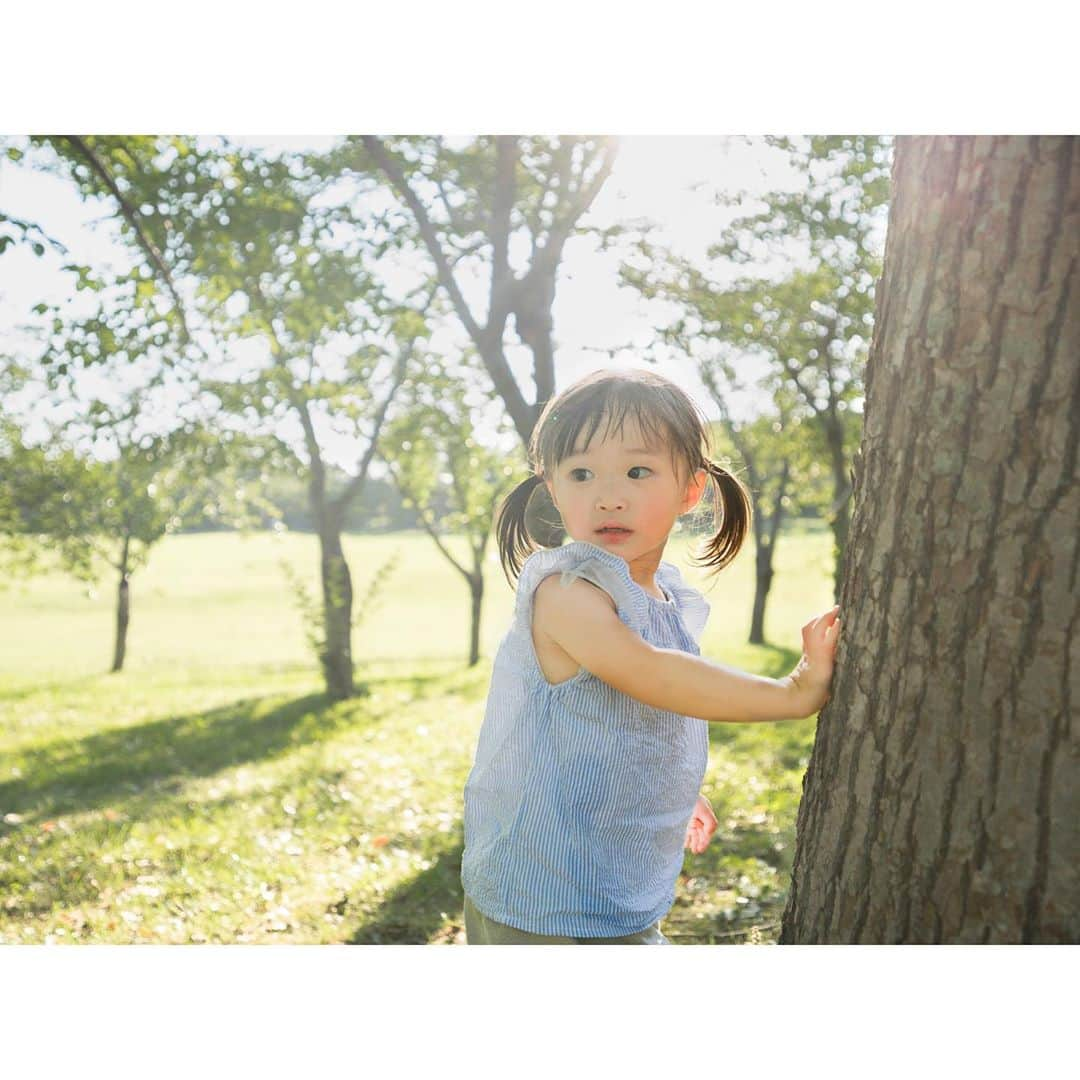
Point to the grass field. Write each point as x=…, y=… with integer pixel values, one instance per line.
x=210, y=793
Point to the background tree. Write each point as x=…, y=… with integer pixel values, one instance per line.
x=34, y=480
x=127, y=452
x=269, y=285
x=295, y=277
x=124, y=171
x=105, y=499
x=477, y=208
x=449, y=476
x=124, y=460
x=785, y=479
x=494, y=215
x=942, y=799
x=808, y=309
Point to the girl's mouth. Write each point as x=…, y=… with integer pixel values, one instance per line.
x=613, y=532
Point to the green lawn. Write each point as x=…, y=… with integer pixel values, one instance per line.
x=210, y=793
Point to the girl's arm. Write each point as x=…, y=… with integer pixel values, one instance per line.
x=581, y=620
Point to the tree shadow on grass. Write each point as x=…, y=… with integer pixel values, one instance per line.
x=63, y=777
x=66, y=776
x=415, y=911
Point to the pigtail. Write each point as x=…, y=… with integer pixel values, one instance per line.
x=734, y=512
x=512, y=536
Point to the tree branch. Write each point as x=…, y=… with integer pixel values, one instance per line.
x=741, y=445
x=833, y=327
x=132, y=218
x=502, y=279
x=561, y=227
x=424, y=516
x=357, y=482
x=375, y=147
x=488, y=339
x=807, y=396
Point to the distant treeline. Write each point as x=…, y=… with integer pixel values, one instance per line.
x=378, y=509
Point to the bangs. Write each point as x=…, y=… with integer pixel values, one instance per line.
x=580, y=431
x=605, y=408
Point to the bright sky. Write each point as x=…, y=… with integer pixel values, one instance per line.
x=652, y=179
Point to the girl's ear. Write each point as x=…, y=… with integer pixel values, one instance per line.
x=695, y=488
x=551, y=491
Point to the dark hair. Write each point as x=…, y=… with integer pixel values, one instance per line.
x=664, y=414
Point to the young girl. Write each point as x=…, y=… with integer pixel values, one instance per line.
x=590, y=757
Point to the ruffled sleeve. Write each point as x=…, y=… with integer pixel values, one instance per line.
x=593, y=564
x=693, y=607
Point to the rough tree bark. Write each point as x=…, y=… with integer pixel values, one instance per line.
x=839, y=515
x=942, y=799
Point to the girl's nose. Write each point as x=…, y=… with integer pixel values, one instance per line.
x=611, y=500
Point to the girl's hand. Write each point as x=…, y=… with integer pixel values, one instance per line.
x=701, y=826
x=812, y=676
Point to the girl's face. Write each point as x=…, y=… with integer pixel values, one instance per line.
x=623, y=494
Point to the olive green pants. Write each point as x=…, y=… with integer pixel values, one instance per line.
x=480, y=930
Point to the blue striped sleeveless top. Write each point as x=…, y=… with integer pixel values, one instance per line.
x=577, y=803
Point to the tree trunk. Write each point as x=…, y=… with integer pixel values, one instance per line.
x=336, y=656
x=942, y=799
x=766, y=538
x=476, y=588
x=762, y=584
x=840, y=511
x=123, y=608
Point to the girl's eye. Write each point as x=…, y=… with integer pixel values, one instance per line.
x=641, y=470
x=580, y=474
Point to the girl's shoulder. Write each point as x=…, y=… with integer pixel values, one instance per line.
x=582, y=560
x=692, y=605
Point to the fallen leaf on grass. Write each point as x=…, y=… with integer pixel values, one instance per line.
x=380, y=841
x=48, y=826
